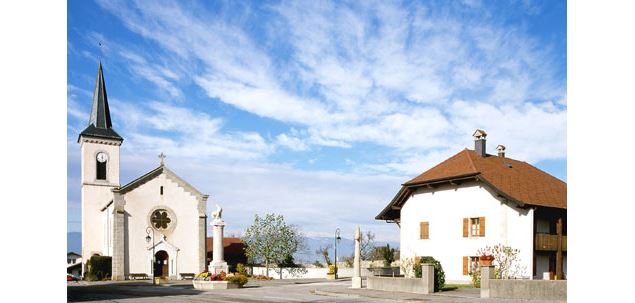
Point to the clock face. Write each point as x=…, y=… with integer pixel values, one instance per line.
x=102, y=157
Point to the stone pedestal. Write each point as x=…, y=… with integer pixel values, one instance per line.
x=487, y=273
x=427, y=275
x=218, y=263
x=357, y=277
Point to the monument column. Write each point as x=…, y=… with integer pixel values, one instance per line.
x=218, y=263
x=357, y=272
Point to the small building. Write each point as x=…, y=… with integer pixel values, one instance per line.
x=234, y=251
x=74, y=264
x=72, y=258
x=474, y=199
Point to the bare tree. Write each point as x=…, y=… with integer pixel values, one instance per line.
x=367, y=245
x=324, y=251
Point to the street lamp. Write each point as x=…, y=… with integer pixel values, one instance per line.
x=148, y=230
x=337, y=237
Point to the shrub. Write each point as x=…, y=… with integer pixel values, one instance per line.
x=318, y=264
x=506, y=260
x=476, y=278
x=238, y=278
x=388, y=254
x=99, y=268
x=242, y=269
x=261, y=277
x=439, y=274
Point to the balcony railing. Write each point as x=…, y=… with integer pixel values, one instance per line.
x=547, y=242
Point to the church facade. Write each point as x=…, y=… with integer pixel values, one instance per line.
x=154, y=225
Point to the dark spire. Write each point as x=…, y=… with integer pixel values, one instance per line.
x=99, y=124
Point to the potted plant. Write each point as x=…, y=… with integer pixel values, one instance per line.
x=331, y=274
x=485, y=256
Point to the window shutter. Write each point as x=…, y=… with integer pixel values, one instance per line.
x=465, y=262
x=481, y=223
x=427, y=230
x=423, y=230
x=465, y=226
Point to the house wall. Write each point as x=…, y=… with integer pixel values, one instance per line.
x=445, y=208
x=140, y=203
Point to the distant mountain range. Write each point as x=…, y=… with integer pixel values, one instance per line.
x=344, y=247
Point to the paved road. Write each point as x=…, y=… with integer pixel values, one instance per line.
x=257, y=293
x=315, y=290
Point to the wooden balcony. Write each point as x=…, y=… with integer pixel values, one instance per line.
x=547, y=242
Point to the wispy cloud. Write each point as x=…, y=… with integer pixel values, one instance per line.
x=406, y=83
x=154, y=127
x=394, y=76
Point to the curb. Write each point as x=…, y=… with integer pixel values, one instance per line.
x=334, y=294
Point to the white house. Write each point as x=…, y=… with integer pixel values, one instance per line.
x=73, y=264
x=474, y=199
x=157, y=217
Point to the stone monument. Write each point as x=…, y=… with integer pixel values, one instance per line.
x=357, y=271
x=218, y=263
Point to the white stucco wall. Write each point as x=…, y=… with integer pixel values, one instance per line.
x=96, y=194
x=445, y=209
x=143, y=200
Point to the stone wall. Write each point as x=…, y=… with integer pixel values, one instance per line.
x=307, y=273
x=528, y=289
x=414, y=285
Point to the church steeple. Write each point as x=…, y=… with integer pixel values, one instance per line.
x=99, y=124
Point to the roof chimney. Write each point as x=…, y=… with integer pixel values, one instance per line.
x=501, y=150
x=479, y=142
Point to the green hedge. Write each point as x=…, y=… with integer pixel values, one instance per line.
x=439, y=274
x=99, y=268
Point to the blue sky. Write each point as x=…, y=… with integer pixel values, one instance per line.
x=317, y=110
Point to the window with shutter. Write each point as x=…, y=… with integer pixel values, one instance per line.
x=474, y=227
x=424, y=230
x=473, y=264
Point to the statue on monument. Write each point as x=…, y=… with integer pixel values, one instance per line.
x=218, y=263
x=218, y=213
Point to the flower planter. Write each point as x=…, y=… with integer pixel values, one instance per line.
x=210, y=285
x=330, y=276
x=485, y=260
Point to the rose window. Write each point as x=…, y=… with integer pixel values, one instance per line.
x=160, y=219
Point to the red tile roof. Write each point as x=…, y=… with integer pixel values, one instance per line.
x=514, y=179
x=231, y=245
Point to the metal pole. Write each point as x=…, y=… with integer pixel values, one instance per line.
x=153, y=259
x=148, y=229
x=337, y=235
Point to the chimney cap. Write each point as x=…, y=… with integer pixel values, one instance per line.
x=500, y=148
x=479, y=134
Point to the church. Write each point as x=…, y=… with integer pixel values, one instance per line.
x=155, y=225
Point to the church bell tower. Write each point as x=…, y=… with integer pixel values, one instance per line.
x=99, y=145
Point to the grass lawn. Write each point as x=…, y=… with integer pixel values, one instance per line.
x=447, y=287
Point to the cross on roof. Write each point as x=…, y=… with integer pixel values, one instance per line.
x=162, y=156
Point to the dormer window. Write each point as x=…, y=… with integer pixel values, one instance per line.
x=102, y=161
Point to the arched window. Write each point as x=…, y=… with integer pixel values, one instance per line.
x=102, y=161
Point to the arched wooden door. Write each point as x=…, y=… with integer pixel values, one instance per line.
x=161, y=268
